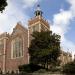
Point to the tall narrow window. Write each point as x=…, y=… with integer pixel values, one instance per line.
x=17, y=47
x=1, y=46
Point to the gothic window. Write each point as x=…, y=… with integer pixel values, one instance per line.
x=17, y=47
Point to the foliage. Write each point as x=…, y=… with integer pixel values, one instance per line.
x=29, y=68
x=54, y=69
x=44, y=48
x=69, y=68
x=3, y=4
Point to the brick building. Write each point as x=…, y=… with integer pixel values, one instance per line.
x=14, y=46
x=13, y=49
x=65, y=57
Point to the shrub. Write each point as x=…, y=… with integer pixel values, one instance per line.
x=69, y=68
x=29, y=68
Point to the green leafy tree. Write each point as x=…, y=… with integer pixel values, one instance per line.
x=3, y=4
x=44, y=48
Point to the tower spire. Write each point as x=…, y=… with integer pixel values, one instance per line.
x=38, y=11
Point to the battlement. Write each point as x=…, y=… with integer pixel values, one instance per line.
x=38, y=19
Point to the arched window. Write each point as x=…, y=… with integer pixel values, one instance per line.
x=17, y=47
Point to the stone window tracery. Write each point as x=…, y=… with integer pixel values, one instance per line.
x=17, y=47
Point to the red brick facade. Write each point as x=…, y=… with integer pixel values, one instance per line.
x=7, y=63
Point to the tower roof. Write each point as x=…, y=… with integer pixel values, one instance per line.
x=38, y=11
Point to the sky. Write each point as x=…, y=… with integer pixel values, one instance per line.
x=59, y=13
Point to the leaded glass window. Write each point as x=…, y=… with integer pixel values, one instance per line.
x=17, y=45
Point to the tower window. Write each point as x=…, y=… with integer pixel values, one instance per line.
x=35, y=28
x=39, y=13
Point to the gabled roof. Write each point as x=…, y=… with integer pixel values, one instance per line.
x=19, y=27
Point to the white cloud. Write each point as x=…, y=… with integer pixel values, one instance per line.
x=29, y=3
x=61, y=25
x=62, y=20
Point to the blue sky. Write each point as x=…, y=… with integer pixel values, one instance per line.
x=59, y=13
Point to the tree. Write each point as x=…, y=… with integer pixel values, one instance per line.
x=3, y=4
x=44, y=48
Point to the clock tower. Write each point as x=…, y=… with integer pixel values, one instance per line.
x=37, y=23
